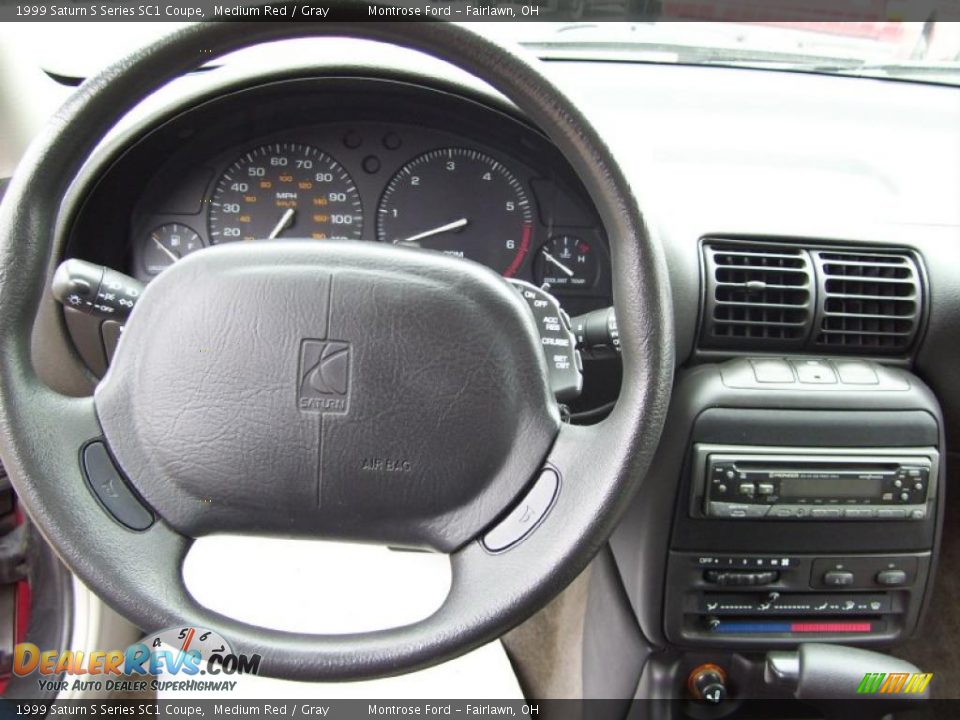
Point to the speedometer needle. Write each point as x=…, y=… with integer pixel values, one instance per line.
x=285, y=220
x=455, y=225
x=551, y=258
x=170, y=253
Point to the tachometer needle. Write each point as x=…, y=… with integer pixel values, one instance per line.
x=551, y=258
x=170, y=253
x=285, y=220
x=455, y=225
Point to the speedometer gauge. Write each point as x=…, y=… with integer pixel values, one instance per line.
x=285, y=190
x=461, y=202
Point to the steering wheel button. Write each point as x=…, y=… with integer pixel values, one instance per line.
x=112, y=490
x=526, y=515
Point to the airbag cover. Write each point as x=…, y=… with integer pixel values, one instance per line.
x=330, y=389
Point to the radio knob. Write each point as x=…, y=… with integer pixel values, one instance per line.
x=898, y=483
x=904, y=496
x=918, y=487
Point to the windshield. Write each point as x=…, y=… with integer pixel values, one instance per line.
x=921, y=51
x=916, y=51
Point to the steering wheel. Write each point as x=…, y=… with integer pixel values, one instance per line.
x=328, y=390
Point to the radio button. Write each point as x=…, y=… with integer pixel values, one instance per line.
x=783, y=512
x=891, y=577
x=838, y=578
x=918, y=514
x=891, y=513
x=860, y=513
x=718, y=509
x=747, y=488
x=765, y=489
x=736, y=510
x=825, y=513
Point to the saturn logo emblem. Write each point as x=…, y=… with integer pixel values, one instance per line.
x=324, y=375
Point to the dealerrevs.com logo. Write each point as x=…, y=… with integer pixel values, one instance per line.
x=176, y=659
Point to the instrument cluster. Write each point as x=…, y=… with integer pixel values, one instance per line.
x=409, y=186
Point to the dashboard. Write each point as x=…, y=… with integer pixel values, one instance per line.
x=351, y=159
x=726, y=163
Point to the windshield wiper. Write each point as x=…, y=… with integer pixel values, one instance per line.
x=906, y=68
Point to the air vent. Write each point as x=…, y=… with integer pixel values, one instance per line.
x=868, y=303
x=757, y=296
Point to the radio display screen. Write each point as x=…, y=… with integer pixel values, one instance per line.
x=830, y=487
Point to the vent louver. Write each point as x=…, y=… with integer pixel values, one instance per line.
x=867, y=302
x=756, y=296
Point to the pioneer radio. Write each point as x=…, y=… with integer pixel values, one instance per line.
x=798, y=484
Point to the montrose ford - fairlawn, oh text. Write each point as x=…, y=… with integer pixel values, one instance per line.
x=449, y=11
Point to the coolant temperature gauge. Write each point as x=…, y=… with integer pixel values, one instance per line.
x=167, y=244
x=566, y=261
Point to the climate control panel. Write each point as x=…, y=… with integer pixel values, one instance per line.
x=747, y=598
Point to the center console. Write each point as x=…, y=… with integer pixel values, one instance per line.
x=806, y=498
x=790, y=587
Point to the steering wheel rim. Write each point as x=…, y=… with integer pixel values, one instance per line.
x=139, y=573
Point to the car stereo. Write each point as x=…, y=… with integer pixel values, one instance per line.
x=798, y=484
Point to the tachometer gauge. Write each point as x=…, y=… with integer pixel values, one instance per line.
x=460, y=202
x=285, y=190
x=566, y=261
x=167, y=244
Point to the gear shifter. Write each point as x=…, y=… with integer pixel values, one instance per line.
x=818, y=671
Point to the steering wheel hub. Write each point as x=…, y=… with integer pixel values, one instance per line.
x=337, y=389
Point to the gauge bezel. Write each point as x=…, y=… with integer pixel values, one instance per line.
x=269, y=181
x=151, y=234
x=539, y=262
x=449, y=158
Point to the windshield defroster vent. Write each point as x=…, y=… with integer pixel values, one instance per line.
x=867, y=302
x=756, y=296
